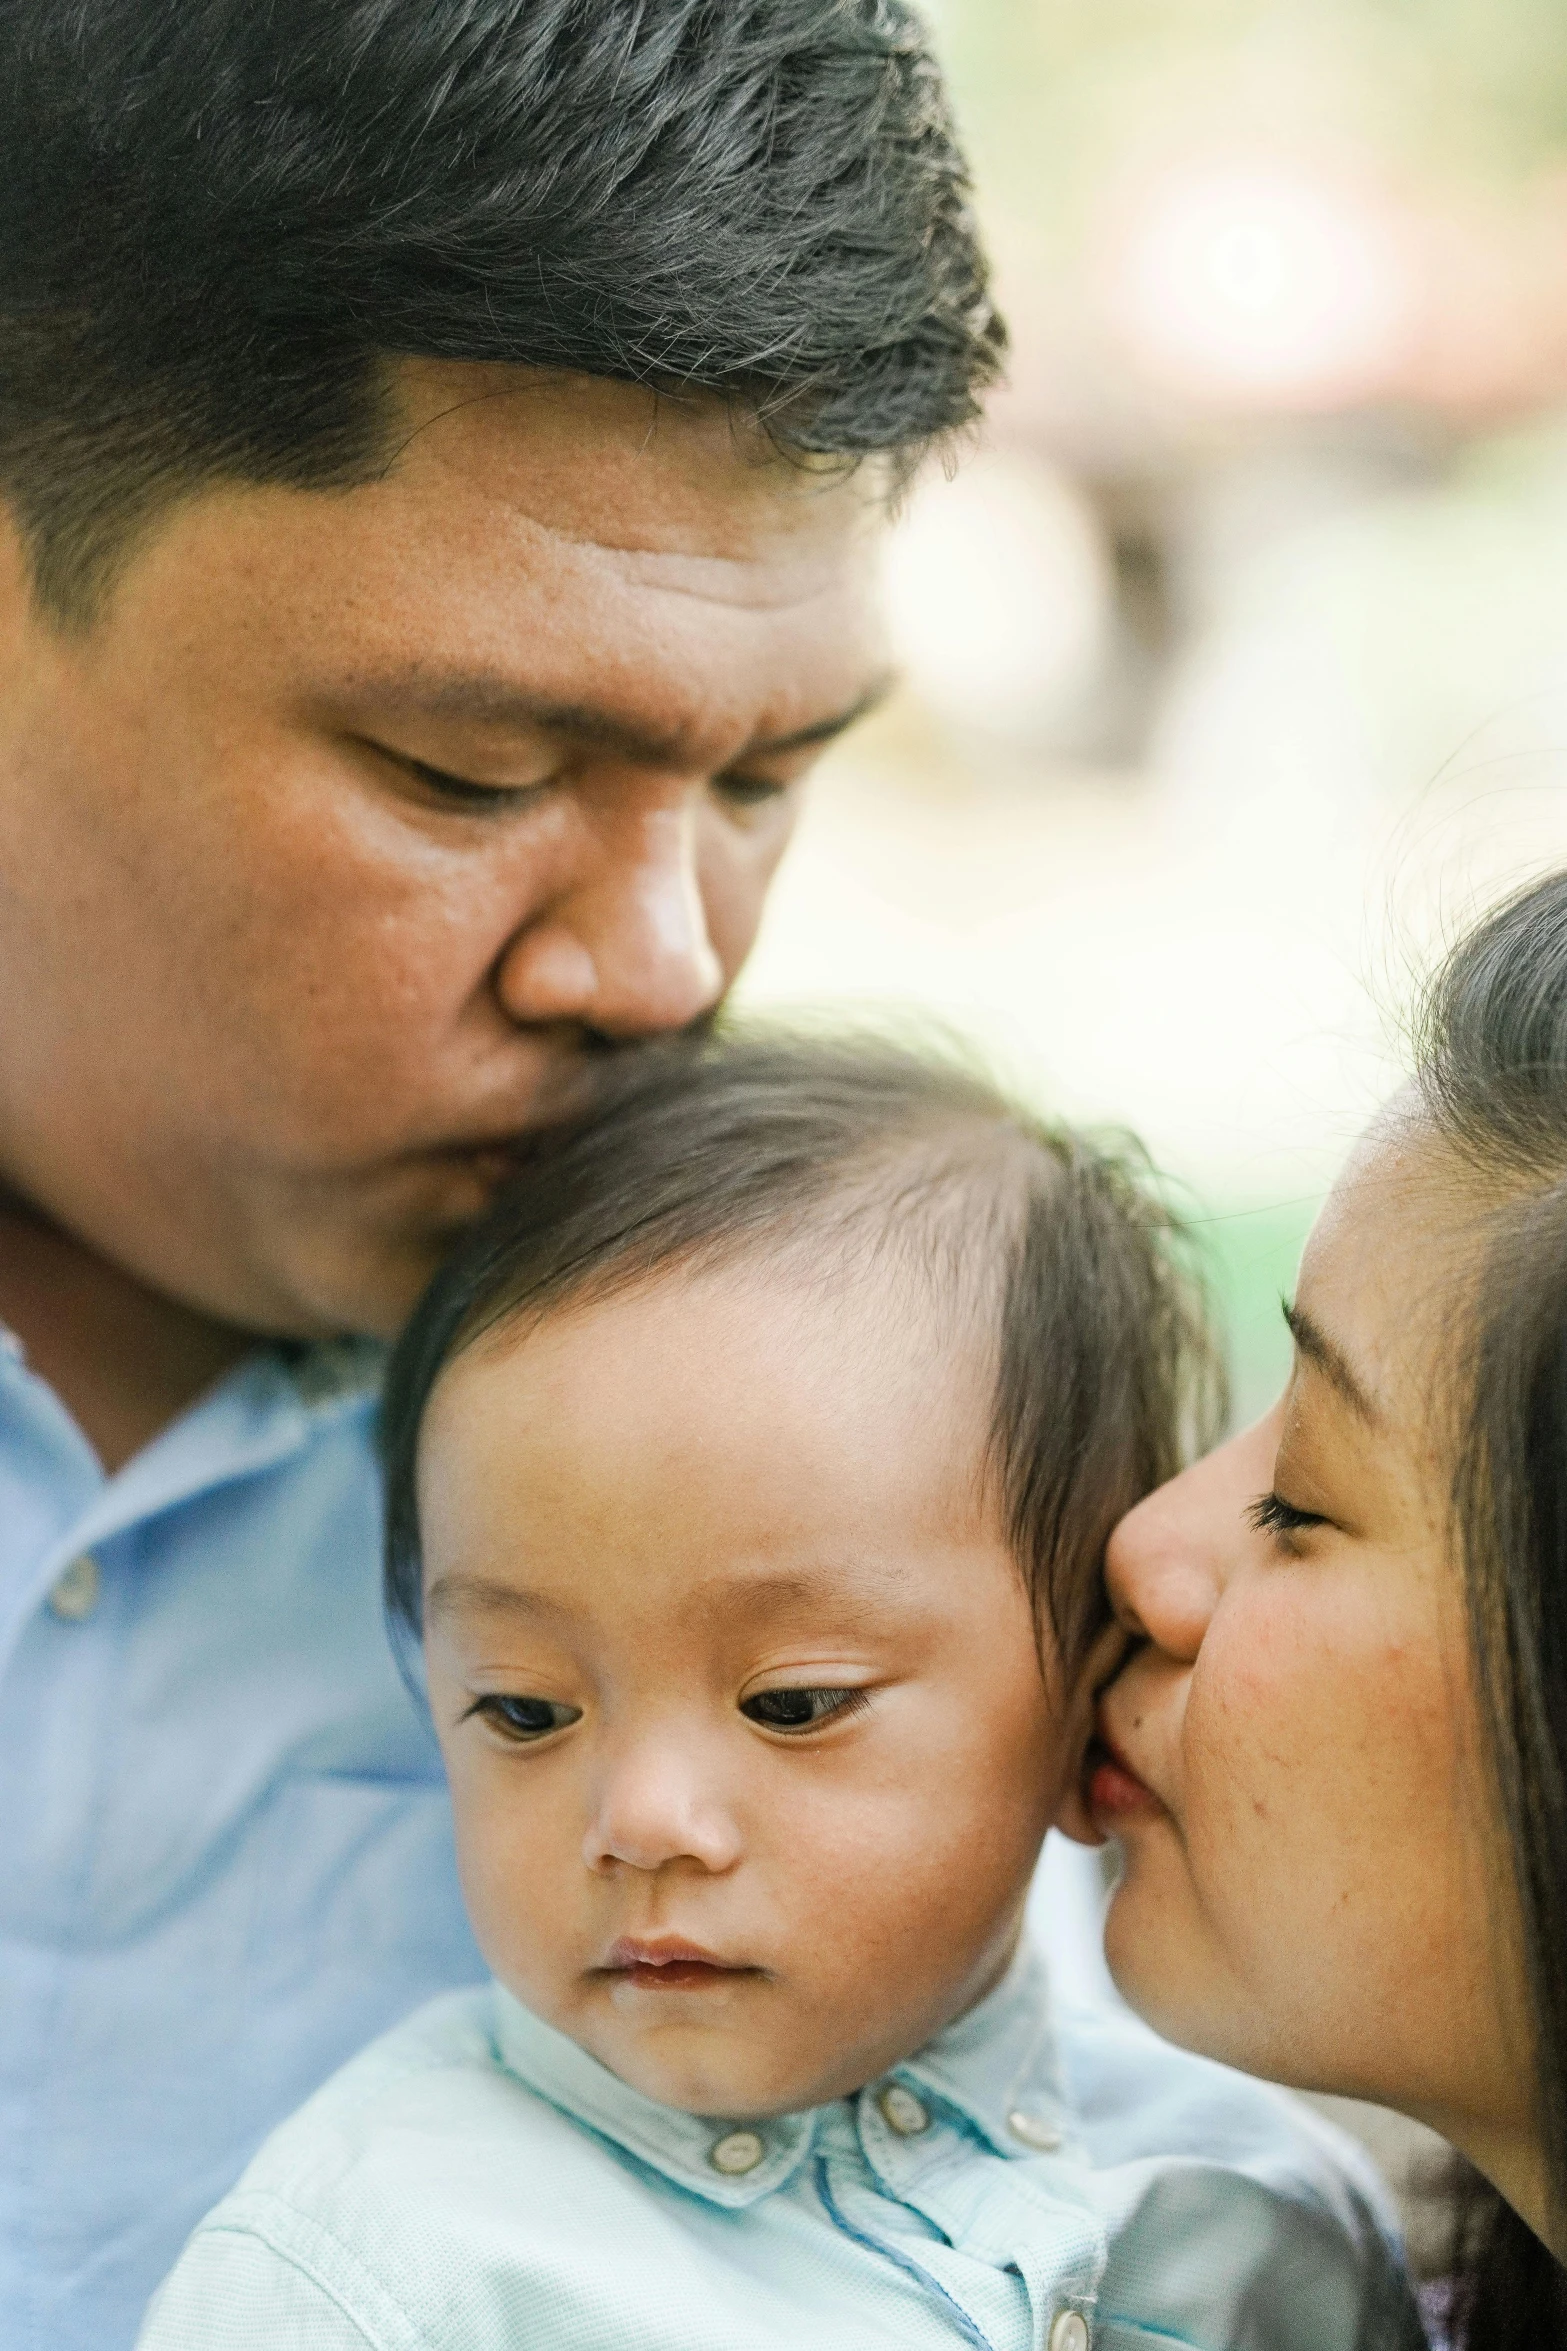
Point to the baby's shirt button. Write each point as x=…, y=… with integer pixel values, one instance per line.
x=75, y=1593
x=1070, y=2332
x=737, y=2152
x=1035, y=2132
x=903, y=2112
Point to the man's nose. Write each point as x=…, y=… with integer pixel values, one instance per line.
x=624, y=948
x=1171, y=1557
x=655, y=1806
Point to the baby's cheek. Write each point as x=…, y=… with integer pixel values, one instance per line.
x=481, y=1866
x=505, y=1851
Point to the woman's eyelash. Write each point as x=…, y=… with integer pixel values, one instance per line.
x=1270, y=1514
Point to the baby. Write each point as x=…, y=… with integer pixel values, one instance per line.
x=748, y=1474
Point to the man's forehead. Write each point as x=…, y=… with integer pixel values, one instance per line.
x=627, y=468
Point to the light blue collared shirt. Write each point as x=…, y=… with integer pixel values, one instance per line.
x=476, y=2182
x=225, y=1843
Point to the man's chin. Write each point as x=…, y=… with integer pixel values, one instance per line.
x=361, y=1277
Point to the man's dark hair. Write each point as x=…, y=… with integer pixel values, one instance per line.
x=831, y=1154
x=220, y=219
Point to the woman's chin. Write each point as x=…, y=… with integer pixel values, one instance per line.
x=1162, y=1964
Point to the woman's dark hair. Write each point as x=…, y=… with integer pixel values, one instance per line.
x=219, y=219
x=1492, y=1067
x=833, y=1153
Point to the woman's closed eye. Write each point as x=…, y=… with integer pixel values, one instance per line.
x=525, y=1720
x=1270, y=1514
x=802, y=1709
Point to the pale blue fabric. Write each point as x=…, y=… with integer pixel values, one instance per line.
x=225, y=1844
x=476, y=2182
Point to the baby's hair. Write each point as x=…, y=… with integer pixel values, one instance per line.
x=844, y=1151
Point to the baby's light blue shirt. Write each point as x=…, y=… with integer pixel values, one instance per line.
x=475, y=2181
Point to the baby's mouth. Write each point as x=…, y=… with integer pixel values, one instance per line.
x=1111, y=1789
x=665, y=1964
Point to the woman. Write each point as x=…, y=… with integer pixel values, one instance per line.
x=1336, y=1757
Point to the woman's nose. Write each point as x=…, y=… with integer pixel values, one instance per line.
x=625, y=949
x=655, y=1807
x=1171, y=1557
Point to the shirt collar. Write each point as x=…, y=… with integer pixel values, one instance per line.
x=998, y=2065
x=992, y=2070
x=331, y=1370
x=270, y=1405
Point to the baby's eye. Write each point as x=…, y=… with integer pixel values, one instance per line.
x=801, y=1710
x=526, y=1719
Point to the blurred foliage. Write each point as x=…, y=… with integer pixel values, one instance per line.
x=1054, y=91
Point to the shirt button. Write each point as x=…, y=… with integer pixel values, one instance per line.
x=1037, y=2133
x=1070, y=2332
x=905, y=2114
x=74, y=1594
x=737, y=2152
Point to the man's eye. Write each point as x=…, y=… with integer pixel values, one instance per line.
x=751, y=791
x=456, y=791
x=526, y=1719
x=802, y=1710
x=462, y=792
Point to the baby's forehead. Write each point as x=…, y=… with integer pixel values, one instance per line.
x=804, y=1317
x=720, y=1449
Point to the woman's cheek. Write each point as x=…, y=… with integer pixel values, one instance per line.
x=1311, y=1727
x=1258, y=1737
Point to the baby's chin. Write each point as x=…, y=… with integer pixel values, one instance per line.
x=724, y=2077
x=725, y=2069
x=747, y=2044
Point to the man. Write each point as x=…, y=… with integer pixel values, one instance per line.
x=441, y=443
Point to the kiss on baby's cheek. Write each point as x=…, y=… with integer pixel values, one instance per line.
x=739, y=1685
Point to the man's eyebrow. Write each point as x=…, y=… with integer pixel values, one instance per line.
x=825, y=730
x=1329, y=1358
x=481, y=698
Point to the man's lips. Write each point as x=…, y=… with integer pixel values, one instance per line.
x=1112, y=1791
x=665, y=1964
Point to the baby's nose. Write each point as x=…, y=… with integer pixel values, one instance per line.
x=655, y=1810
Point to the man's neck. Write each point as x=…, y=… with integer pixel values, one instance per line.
x=125, y=1360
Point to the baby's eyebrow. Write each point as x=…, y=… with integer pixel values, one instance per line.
x=751, y=1592
x=748, y=1593
x=452, y=1595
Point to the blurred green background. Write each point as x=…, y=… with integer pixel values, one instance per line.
x=1236, y=646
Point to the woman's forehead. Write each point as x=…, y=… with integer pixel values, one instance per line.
x=1390, y=1257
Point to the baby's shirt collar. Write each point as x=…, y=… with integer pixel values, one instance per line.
x=993, y=2071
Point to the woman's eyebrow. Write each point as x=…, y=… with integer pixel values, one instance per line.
x=1334, y=1365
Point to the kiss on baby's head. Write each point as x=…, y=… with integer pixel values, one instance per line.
x=748, y=1474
